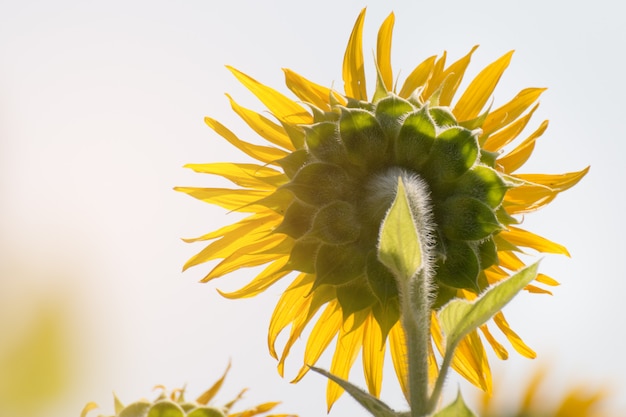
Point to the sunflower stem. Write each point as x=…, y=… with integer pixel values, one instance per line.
x=416, y=324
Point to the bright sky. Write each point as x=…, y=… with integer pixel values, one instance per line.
x=101, y=103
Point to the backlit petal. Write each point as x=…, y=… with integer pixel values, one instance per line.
x=353, y=67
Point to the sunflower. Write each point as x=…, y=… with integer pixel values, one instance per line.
x=579, y=401
x=174, y=404
x=318, y=191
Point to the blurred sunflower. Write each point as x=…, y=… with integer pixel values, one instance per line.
x=319, y=191
x=174, y=404
x=579, y=401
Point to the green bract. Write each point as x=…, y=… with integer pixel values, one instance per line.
x=344, y=180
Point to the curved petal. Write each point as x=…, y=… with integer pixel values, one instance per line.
x=308, y=91
x=516, y=341
x=509, y=112
x=418, y=77
x=373, y=355
x=518, y=156
x=506, y=135
x=245, y=175
x=267, y=129
x=353, y=67
x=237, y=199
x=260, y=153
x=383, y=51
x=480, y=89
x=281, y=107
x=528, y=239
x=397, y=347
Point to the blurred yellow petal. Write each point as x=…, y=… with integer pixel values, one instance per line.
x=500, y=351
x=210, y=393
x=480, y=89
x=353, y=67
x=383, y=51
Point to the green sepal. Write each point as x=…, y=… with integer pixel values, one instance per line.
x=390, y=111
x=487, y=253
x=206, y=412
x=319, y=183
x=387, y=315
x=443, y=116
x=363, y=137
x=295, y=133
x=456, y=409
x=292, y=163
x=466, y=218
x=354, y=297
x=415, y=138
x=165, y=409
x=322, y=140
x=338, y=265
x=488, y=158
x=372, y=404
x=136, y=409
x=459, y=317
x=336, y=223
x=380, y=279
x=460, y=267
x=297, y=219
x=399, y=243
x=452, y=154
x=484, y=184
x=302, y=256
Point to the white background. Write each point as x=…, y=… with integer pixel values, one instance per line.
x=101, y=103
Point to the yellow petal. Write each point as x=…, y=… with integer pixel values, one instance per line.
x=507, y=134
x=418, y=77
x=559, y=182
x=353, y=69
x=237, y=200
x=292, y=301
x=324, y=331
x=528, y=239
x=260, y=153
x=348, y=346
x=527, y=197
x=88, y=407
x=518, y=156
x=373, y=355
x=309, y=91
x=268, y=277
x=448, y=81
x=244, y=175
x=544, y=279
x=259, y=253
x=397, y=347
x=267, y=129
x=263, y=222
x=244, y=236
x=501, y=352
x=536, y=290
x=383, y=51
x=516, y=341
x=284, y=109
x=480, y=89
x=509, y=112
x=210, y=393
x=470, y=361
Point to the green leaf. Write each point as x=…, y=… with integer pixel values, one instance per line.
x=456, y=409
x=459, y=317
x=166, y=409
x=399, y=246
x=372, y=404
